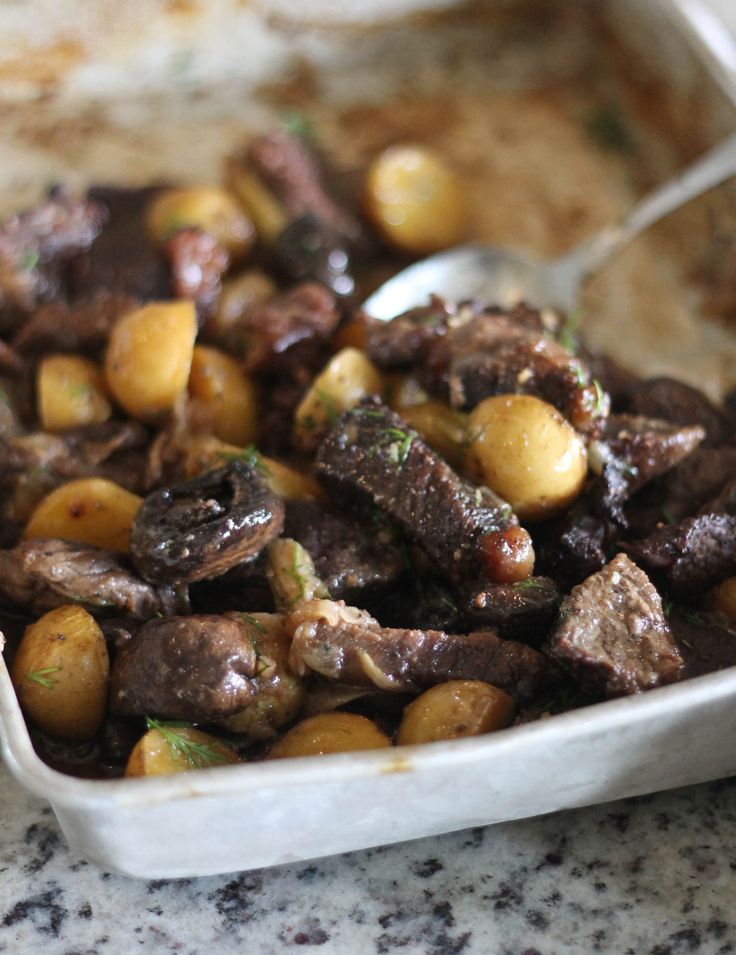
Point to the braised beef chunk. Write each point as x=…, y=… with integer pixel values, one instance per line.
x=349, y=552
x=573, y=546
x=613, y=634
x=185, y=668
x=123, y=258
x=633, y=450
x=42, y=574
x=82, y=327
x=309, y=249
x=692, y=483
x=268, y=331
x=488, y=352
x=203, y=527
x=406, y=339
x=705, y=641
x=34, y=244
x=348, y=645
x=197, y=262
x=680, y=403
x=691, y=556
x=291, y=171
x=466, y=529
x=617, y=381
x=522, y=611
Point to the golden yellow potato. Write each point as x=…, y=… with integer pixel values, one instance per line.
x=258, y=201
x=346, y=378
x=227, y=394
x=149, y=357
x=722, y=599
x=168, y=748
x=441, y=427
x=454, y=709
x=209, y=208
x=330, y=733
x=60, y=673
x=415, y=200
x=524, y=450
x=89, y=510
x=71, y=393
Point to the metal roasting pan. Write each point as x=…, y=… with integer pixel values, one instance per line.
x=512, y=92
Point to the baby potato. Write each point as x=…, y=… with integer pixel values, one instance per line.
x=89, y=510
x=523, y=449
x=454, y=709
x=228, y=396
x=239, y=294
x=441, y=427
x=333, y=732
x=346, y=378
x=70, y=393
x=60, y=673
x=209, y=208
x=149, y=357
x=167, y=749
x=415, y=200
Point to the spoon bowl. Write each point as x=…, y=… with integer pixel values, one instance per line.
x=506, y=277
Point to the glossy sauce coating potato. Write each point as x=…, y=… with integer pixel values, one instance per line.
x=227, y=394
x=60, y=673
x=524, y=450
x=209, y=208
x=71, y=393
x=89, y=510
x=165, y=749
x=334, y=732
x=149, y=357
x=454, y=709
x=347, y=378
x=414, y=200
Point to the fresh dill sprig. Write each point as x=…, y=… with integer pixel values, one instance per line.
x=195, y=754
x=529, y=584
x=43, y=677
x=249, y=455
x=252, y=622
x=328, y=403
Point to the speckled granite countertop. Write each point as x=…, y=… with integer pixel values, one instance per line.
x=649, y=876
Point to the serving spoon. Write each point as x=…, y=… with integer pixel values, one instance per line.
x=505, y=277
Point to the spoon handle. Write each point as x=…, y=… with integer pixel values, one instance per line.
x=710, y=170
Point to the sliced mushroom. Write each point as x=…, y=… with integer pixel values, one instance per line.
x=201, y=528
x=199, y=667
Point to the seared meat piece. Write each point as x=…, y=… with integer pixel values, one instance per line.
x=349, y=553
x=617, y=381
x=348, y=645
x=697, y=479
x=522, y=611
x=290, y=170
x=197, y=262
x=123, y=258
x=187, y=668
x=305, y=313
x=203, y=527
x=406, y=339
x=467, y=530
x=704, y=640
x=496, y=353
x=39, y=575
x=34, y=243
x=633, y=450
x=311, y=249
x=680, y=403
x=82, y=327
x=690, y=556
x=613, y=633
x=573, y=546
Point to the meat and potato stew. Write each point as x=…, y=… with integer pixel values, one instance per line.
x=243, y=520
